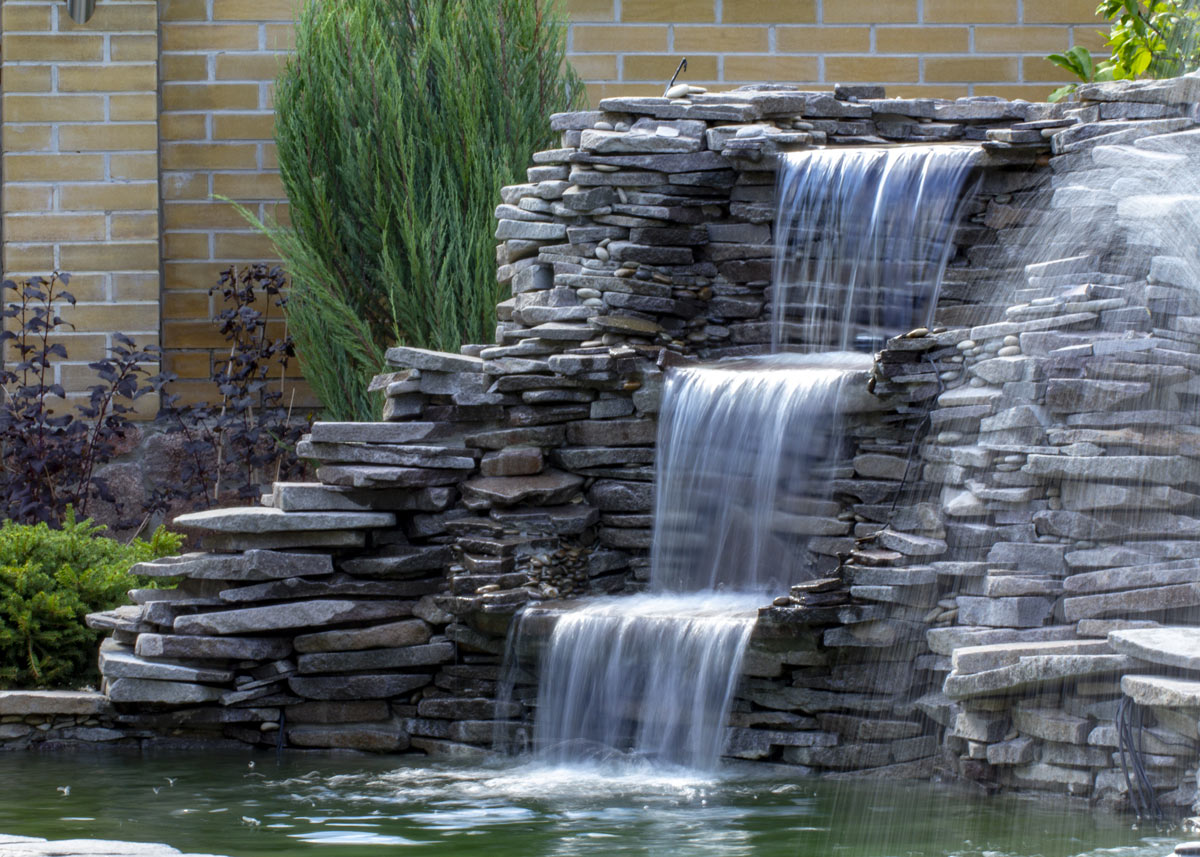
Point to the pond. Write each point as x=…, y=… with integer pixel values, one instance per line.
x=330, y=806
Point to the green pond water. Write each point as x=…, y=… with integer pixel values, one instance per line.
x=328, y=806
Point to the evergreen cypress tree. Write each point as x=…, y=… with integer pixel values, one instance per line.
x=397, y=123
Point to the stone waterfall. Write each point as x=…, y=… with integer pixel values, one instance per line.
x=745, y=449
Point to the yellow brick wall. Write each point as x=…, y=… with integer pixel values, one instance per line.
x=942, y=48
x=120, y=135
x=219, y=61
x=80, y=168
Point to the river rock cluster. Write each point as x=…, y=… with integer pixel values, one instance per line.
x=1015, y=521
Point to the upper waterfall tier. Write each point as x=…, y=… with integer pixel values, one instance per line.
x=863, y=238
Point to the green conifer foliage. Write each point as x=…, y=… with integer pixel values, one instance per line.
x=398, y=121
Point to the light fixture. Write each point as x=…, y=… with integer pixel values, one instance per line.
x=81, y=10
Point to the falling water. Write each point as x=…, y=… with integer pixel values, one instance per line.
x=738, y=445
x=862, y=240
x=743, y=447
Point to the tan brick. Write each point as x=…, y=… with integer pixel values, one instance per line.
x=186, y=305
x=870, y=11
x=183, y=126
x=190, y=275
x=136, y=286
x=29, y=258
x=758, y=12
x=60, y=108
x=110, y=256
x=647, y=67
x=1062, y=12
x=183, y=10
x=1092, y=39
x=970, y=69
x=142, y=106
x=202, y=215
x=823, y=40
x=192, y=334
x=117, y=78
x=89, y=287
x=199, y=156
x=590, y=10
x=185, y=186
x=16, y=19
x=1041, y=40
x=794, y=69
x=53, y=48
x=27, y=197
x=871, y=69
x=270, y=156
x=184, y=67
x=134, y=48
x=133, y=226
x=251, y=246
x=595, y=66
x=24, y=168
x=109, y=137
x=973, y=12
x=240, y=186
x=209, y=96
x=280, y=37
x=28, y=138
x=721, y=40
x=1040, y=69
x=260, y=10
x=46, y=226
x=670, y=11
x=921, y=40
x=188, y=364
x=249, y=66
x=125, y=317
x=27, y=78
x=923, y=90
x=186, y=245
x=114, y=17
x=133, y=167
x=598, y=91
x=109, y=196
x=210, y=37
x=608, y=39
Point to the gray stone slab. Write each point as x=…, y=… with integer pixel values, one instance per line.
x=260, y=519
x=367, y=737
x=146, y=691
x=118, y=662
x=1051, y=724
x=25, y=846
x=437, y=361
x=302, y=614
x=1162, y=691
x=1016, y=612
x=251, y=565
x=1133, y=577
x=377, y=476
x=1153, y=600
x=972, y=659
x=355, y=687
x=409, y=632
x=548, y=488
x=1031, y=672
x=401, y=432
x=308, y=497
x=78, y=702
x=221, y=648
x=376, y=659
x=1172, y=647
x=1155, y=469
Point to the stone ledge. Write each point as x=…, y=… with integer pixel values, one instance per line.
x=77, y=702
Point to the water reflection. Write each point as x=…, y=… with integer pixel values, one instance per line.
x=351, y=805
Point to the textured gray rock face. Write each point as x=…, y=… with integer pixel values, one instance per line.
x=302, y=614
x=258, y=519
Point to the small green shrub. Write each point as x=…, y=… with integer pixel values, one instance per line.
x=49, y=580
x=1148, y=38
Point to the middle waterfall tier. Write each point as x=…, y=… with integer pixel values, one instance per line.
x=745, y=454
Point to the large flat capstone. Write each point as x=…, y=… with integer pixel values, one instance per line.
x=1172, y=647
x=1161, y=691
x=301, y=614
x=262, y=519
